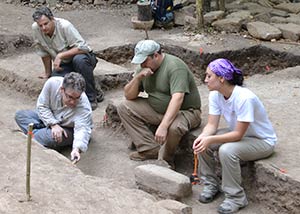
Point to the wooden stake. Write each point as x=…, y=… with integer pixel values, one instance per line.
x=29, y=138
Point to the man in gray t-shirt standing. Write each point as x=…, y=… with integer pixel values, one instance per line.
x=62, y=49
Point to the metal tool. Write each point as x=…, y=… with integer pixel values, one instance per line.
x=194, y=177
x=279, y=169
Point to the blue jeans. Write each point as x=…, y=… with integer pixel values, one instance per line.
x=83, y=64
x=43, y=135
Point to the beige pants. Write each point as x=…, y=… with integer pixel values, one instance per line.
x=230, y=154
x=137, y=115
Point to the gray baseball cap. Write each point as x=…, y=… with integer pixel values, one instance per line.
x=143, y=49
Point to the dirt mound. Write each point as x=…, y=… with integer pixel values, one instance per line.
x=11, y=44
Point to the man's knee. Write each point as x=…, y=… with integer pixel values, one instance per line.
x=19, y=116
x=178, y=129
x=83, y=63
x=122, y=108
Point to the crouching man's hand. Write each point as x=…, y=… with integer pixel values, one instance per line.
x=75, y=155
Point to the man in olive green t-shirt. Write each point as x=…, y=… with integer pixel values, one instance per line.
x=173, y=103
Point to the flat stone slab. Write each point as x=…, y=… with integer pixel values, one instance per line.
x=162, y=181
x=289, y=31
x=228, y=24
x=176, y=207
x=262, y=30
x=289, y=7
x=106, y=68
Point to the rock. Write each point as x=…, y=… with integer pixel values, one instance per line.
x=261, y=30
x=175, y=207
x=229, y=25
x=99, y=2
x=190, y=10
x=263, y=17
x=141, y=24
x=213, y=16
x=242, y=14
x=280, y=13
x=179, y=17
x=289, y=31
x=277, y=19
x=190, y=22
x=255, y=8
x=162, y=181
x=294, y=19
x=289, y=7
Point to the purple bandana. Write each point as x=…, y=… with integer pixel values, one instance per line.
x=224, y=68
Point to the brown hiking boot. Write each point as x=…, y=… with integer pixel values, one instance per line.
x=141, y=156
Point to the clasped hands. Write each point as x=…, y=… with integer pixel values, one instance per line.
x=201, y=144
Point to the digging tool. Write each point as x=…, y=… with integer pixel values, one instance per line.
x=194, y=177
x=29, y=139
x=279, y=169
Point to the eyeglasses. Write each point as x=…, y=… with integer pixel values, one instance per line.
x=69, y=97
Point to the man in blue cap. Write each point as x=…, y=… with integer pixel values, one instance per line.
x=172, y=106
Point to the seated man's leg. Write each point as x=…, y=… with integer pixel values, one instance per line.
x=85, y=65
x=135, y=116
x=24, y=117
x=66, y=68
x=44, y=137
x=183, y=123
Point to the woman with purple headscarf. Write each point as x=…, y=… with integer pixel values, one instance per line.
x=249, y=136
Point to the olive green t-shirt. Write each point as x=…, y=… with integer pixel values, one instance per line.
x=173, y=76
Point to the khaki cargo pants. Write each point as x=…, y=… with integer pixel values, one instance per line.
x=137, y=115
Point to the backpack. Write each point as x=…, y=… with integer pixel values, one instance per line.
x=162, y=11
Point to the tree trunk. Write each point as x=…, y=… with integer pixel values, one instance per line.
x=222, y=5
x=144, y=11
x=199, y=8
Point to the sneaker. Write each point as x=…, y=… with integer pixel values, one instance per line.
x=94, y=105
x=141, y=156
x=208, y=193
x=100, y=96
x=228, y=207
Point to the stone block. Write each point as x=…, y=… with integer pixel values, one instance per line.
x=141, y=24
x=289, y=31
x=175, y=207
x=162, y=182
x=261, y=30
x=213, y=16
x=289, y=7
x=229, y=24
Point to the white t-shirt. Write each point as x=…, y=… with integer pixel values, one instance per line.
x=244, y=106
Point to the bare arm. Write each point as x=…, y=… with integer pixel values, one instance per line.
x=211, y=126
x=48, y=67
x=206, y=137
x=131, y=90
x=171, y=113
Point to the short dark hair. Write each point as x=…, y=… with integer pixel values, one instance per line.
x=42, y=11
x=74, y=81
